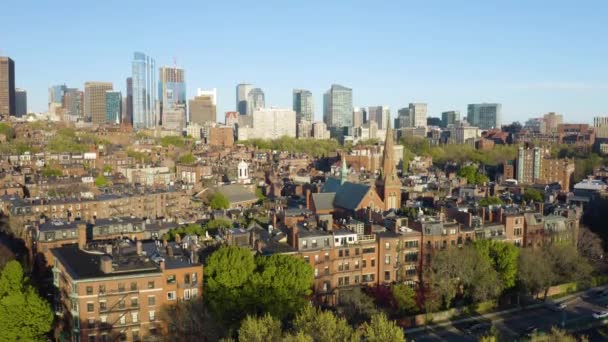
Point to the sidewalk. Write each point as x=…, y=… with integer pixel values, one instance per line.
x=494, y=314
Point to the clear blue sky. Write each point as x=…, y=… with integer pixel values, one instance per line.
x=531, y=56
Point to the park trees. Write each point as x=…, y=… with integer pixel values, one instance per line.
x=219, y=201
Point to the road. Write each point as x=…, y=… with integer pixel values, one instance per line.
x=511, y=325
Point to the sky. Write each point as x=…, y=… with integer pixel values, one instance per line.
x=532, y=56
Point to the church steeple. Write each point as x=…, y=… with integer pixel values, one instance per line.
x=389, y=184
x=343, y=171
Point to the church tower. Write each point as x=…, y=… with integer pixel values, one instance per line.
x=389, y=184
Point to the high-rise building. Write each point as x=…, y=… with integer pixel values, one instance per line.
x=95, y=101
x=113, y=107
x=418, y=113
x=128, y=113
x=171, y=88
x=303, y=105
x=485, y=115
x=380, y=115
x=449, y=118
x=208, y=92
x=144, y=91
x=255, y=100
x=269, y=123
x=552, y=121
x=403, y=119
x=359, y=117
x=7, y=86
x=175, y=118
x=20, y=102
x=73, y=104
x=202, y=109
x=56, y=99
x=338, y=107
x=320, y=131
x=533, y=165
x=242, y=93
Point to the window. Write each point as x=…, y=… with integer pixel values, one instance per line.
x=90, y=307
x=104, y=338
x=346, y=281
x=121, y=287
x=387, y=246
x=340, y=253
x=152, y=316
x=356, y=279
x=194, y=278
x=411, y=257
x=346, y=266
x=187, y=278
x=356, y=264
x=356, y=251
x=373, y=262
x=340, y=281
x=134, y=302
x=123, y=319
x=314, y=243
x=133, y=286
x=316, y=272
x=193, y=293
x=91, y=338
x=134, y=317
x=121, y=304
x=307, y=259
x=340, y=267
x=171, y=295
x=316, y=259
x=326, y=270
x=187, y=294
x=151, y=300
x=326, y=256
x=517, y=231
x=103, y=319
x=135, y=334
x=369, y=250
x=304, y=244
x=102, y=306
x=411, y=244
x=387, y=259
x=171, y=279
x=89, y=290
x=151, y=284
x=326, y=243
x=347, y=253
x=363, y=263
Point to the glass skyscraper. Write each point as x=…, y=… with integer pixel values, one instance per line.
x=255, y=100
x=485, y=115
x=242, y=93
x=338, y=107
x=113, y=107
x=171, y=88
x=144, y=92
x=303, y=105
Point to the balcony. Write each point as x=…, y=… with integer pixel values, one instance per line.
x=190, y=285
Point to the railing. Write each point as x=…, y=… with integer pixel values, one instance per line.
x=366, y=238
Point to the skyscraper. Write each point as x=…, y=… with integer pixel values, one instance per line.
x=7, y=86
x=144, y=91
x=20, y=102
x=359, y=117
x=113, y=107
x=449, y=118
x=202, y=109
x=380, y=115
x=338, y=107
x=73, y=104
x=242, y=92
x=95, y=101
x=128, y=114
x=418, y=112
x=303, y=105
x=56, y=94
x=255, y=100
x=171, y=88
x=484, y=115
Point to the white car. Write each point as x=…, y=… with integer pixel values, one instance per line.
x=600, y=314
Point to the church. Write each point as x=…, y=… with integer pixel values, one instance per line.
x=358, y=200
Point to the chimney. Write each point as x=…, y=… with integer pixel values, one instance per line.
x=139, y=247
x=162, y=264
x=82, y=236
x=293, y=236
x=307, y=194
x=170, y=251
x=105, y=264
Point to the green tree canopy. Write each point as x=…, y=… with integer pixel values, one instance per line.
x=260, y=329
x=323, y=326
x=531, y=194
x=48, y=171
x=219, y=201
x=492, y=200
x=503, y=257
x=101, y=181
x=405, y=298
x=355, y=305
x=24, y=315
x=187, y=159
x=380, y=329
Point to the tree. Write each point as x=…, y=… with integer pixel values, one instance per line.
x=534, y=273
x=492, y=200
x=187, y=159
x=355, y=305
x=24, y=315
x=405, y=298
x=567, y=265
x=48, y=171
x=555, y=335
x=380, y=329
x=189, y=321
x=101, y=181
x=503, y=257
x=260, y=329
x=589, y=245
x=281, y=284
x=259, y=194
x=323, y=326
x=219, y=201
x=218, y=223
x=531, y=194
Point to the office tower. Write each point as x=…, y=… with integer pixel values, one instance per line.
x=338, y=107
x=175, y=118
x=269, y=123
x=359, y=117
x=600, y=126
x=73, y=104
x=449, y=118
x=56, y=95
x=484, y=115
x=255, y=100
x=404, y=119
x=202, y=109
x=7, y=86
x=171, y=88
x=552, y=121
x=113, y=107
x=128, y=113
x=461, y=132
x=380, y=115
x=95, y=101
x=242, y=92
x=144, y=91
x=20, y=102
x=418, y=112
x=303, y=105
x=208, y=92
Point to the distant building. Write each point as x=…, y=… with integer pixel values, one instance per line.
x=449, y=118
x=231, y=119
x=338, y=107
x=144, y=91
x=536, y=125
x=56, y=98
x=485, y=115
x=269, y=123
x=418, y=114
x=320, y=131
x=533, y=166
x=552, y=121
x=403, y=119
x=359, y=117
x=461, y=132
x=255, y=100
x=73, y=105
x=20, y=102
x=95, y=101
x=171, y=88
x=380, y=115
x=304, y=129
x=202, y=109
x=303, y=105
x=600, y=125
x=7, y=86
x=113, y=107
x=221, y=136
x=242, y=93
x=174, y=118
x=128, y=113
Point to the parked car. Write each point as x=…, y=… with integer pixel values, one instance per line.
x=600, y=314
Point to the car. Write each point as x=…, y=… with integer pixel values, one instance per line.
x=557, y=306
x=600, y=314
x=530, y=331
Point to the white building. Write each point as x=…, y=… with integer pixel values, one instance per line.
x=269, y=123
x=461, y=132
x=320, y=131
x=243, y=173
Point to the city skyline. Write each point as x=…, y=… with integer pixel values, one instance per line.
x=527, y=68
